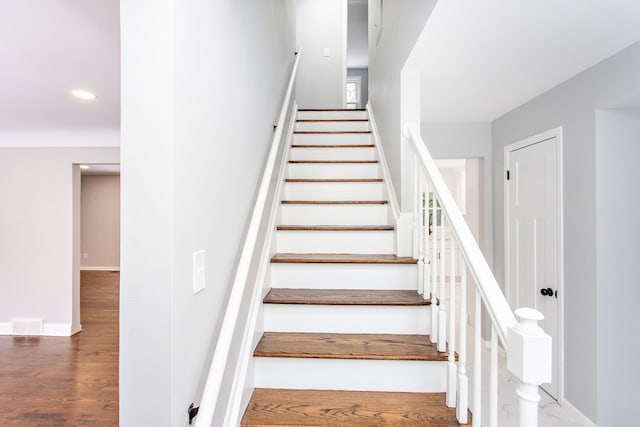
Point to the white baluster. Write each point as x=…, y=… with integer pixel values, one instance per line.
x=435, y=307
x=527, y=338
x=451, y=366
x=462, y=402
x=425, y=231
x=417, y=225
x=477, y=363
x=442, y=313
x=493, y=380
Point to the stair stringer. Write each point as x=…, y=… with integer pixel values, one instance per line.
x=402, y=221
x=244, y=378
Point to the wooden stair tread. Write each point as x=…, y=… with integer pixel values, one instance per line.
x=331, y=132
x=308, y=345
x=344, y=297
x=336, y=180
x=335, y=228
x=332, y=146
x=333, y=161
x=332, y=109
x=334, y=202
x=341, y=259
x=332, y=120
x=340, y=408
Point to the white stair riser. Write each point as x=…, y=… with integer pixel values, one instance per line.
x=333, y=170
x=334, y=191
x=332, y=138
x=333, y=154
x=344, y=276
x=335, y=242
x=310, y=214
x=334, y=374
x=333, y=126
x=347, y=319
x=332, y=115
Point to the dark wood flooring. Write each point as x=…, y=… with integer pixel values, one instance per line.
x=59, y=381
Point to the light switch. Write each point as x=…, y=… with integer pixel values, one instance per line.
x=326, y=52
x=199, y=264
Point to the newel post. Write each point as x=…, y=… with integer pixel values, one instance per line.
x=529, y=359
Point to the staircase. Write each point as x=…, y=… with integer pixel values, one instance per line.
x=346, y=339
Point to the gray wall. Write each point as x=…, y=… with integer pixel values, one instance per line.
x=617, y=268
x=194, y=73
x=572, y=105
x=461, y=141
x=39, y=241
x=100, y=221
x=402, y=23
x=357, y=34
x=321, y=24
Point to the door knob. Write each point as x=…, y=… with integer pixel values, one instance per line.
x=547, y=292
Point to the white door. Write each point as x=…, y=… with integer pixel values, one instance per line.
x=532, y=261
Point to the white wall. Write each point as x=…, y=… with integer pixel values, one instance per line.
x=37, y=276
x=572, y=105
x=194, y=74
x=402, y=23
x=320, y=25
x=617, y=269
x=100, y=221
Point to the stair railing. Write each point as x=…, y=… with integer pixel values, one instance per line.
x=218, y=366
x=437, y=219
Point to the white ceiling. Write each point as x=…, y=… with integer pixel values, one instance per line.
x=48, y=48
x=481, y=59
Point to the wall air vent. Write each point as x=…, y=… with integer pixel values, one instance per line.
x=27, y=326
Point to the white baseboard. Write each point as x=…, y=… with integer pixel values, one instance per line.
x=57, y=330
x=99, y=268
x=577, y=415
x=48, y=330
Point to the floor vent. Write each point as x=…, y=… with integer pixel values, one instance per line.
x=24, y=326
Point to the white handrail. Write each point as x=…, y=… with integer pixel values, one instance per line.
x=221, y=354
x=495, y=302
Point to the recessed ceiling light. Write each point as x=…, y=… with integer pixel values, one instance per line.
x=83, y=94
x=84, y=167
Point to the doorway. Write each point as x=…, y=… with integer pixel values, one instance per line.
x=96, y=225
x=533, y=236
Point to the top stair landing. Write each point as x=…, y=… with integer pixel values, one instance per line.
x=328, y=114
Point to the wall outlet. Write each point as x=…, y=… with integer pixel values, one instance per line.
x=199, y=267
x=85, y=255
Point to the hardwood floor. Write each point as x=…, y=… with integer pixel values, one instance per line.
x=58, y=381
